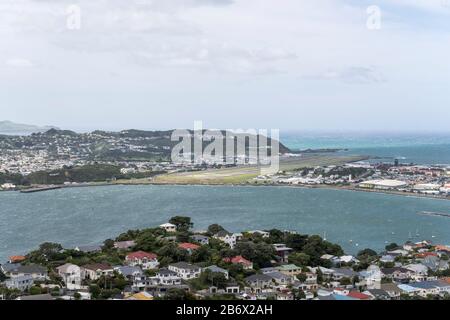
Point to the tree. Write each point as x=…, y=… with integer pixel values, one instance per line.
x=35, y=290
x=299, y=259
x=202, y=254
x=214, y=228
x=276, y=236
x=47, y=251
x=300, y=295
x=177, y=294
x=183, y=236
x=345, y=281
x=108, y=244
x=366, y=255
x=296, y=241
x=301, y=277
x=95, y=291
x=182, y=223
x=259, y=253
x=392, y=246
x=77, y=296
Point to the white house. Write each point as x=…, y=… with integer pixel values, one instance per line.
x=226, y=237
x=185, y=270
x=71, y=275
x=37, y=272
x=263, y=234
x=169, y=227
x=96, y=270
x=420, y=271
x=21, y=283
x=146, y=260
x=168, y=277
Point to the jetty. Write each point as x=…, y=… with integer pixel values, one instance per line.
x=39, y=189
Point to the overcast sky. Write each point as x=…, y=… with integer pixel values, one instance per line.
x=288, y=64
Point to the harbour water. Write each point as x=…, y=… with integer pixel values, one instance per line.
x=418, y=148
x=81, y=216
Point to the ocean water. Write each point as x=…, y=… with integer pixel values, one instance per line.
x=384, y=147
x=89, y=215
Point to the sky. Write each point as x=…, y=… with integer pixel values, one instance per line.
x=264, y=64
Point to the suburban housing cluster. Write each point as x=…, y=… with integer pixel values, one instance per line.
x=419, y=179
x=172, y=261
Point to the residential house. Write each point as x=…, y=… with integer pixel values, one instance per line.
x=259, y=281
x=442, y=249
x=129, y=272
x=71, y=275
x=246, y=264
x=124, y=245
x=169, y=227
x=387, y=258
x=348, y=259
x=392, y=290
x=434, y=263
x=146, y=260
x=340, y=273
x=420, y=271
x=310, y=283
x=398, y=274
x=268, y=270
x=378, y=294
x=280, y=278
x=290, y=269
x=203, y=240
x=37, y=272
x=263, y=234
x=189, y=247
x=96, y=270
x=371, y=277
x=16, y=259
x=217, y=269
x=359, y=295
x=232, y=288
x=284, y=296
x=185, y=270
x=425, y=288
x=21, y=283
x=7, y=267
x=226, y=237
x=282, y=251
x=168, y=277
x=89, y=249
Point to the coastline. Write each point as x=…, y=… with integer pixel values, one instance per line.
x=143, y=183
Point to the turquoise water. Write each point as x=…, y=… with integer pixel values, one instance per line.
x=408, y=148
x=80, y=216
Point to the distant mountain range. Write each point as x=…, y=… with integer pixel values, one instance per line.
x=9, y=127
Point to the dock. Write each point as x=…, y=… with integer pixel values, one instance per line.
x=40, y=189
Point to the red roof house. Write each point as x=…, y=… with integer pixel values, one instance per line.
x=240, y=260
x=358, y=295
x=147, y=260
x=188, y=246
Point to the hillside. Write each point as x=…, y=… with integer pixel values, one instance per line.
x=9, y=127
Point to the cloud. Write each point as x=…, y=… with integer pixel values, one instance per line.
x=19, y=63
x=358, y=75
